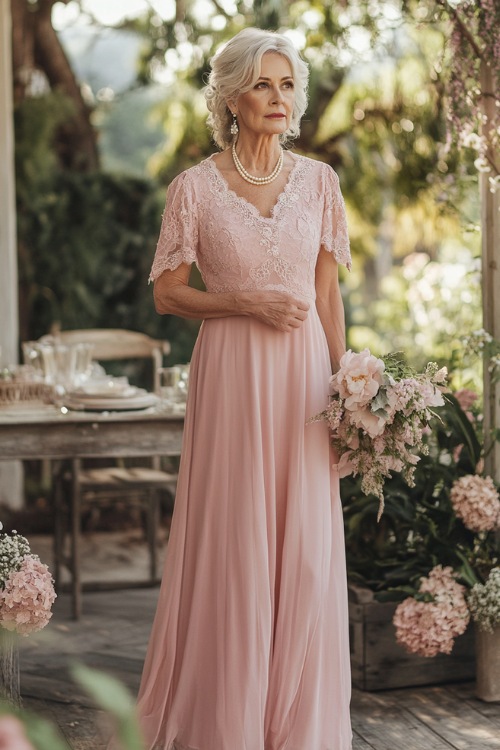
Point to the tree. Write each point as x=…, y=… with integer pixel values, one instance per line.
x=39, y=62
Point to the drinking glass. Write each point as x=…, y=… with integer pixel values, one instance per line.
x=32, y=357
x=183, y=383
x=170, y=378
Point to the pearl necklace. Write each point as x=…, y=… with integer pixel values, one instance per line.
x=257, y=180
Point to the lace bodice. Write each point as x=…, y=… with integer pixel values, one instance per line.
x=235, y=247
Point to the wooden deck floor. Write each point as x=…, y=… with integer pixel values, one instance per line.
x=112, y=636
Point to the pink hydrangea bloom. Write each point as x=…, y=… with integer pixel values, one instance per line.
x=441, y=376
x=28, y=596
x=466, y=398
x=358, y=379
x=475, y=501
x=431, y=395
x=412, y=393
x=430, y=628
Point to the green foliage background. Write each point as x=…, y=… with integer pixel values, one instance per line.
x=376, y=114
x=85, y=240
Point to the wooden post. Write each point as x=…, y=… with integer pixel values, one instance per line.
x=11, y=476
x=8, y=251
x=490, y=229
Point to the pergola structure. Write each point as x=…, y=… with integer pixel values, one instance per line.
x=490, y=231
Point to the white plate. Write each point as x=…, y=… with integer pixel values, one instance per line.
x=105, y=390
x=142, y=400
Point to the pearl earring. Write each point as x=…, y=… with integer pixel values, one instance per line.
x=234, y=125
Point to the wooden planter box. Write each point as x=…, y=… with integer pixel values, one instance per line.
x=378, y=662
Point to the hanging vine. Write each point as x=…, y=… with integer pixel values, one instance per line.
x=474, y=81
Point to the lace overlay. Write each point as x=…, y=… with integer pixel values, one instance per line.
x=238, y=249
x=179, y=228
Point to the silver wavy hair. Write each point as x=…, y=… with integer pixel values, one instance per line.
x=236, y=68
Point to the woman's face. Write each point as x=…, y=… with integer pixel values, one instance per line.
x=267, y=108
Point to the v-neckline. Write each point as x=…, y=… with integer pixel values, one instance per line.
x=246, y=203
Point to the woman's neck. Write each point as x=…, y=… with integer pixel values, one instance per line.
x=258, y=154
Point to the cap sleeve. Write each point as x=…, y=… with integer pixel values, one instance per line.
x=334, y=235
x=178, y=240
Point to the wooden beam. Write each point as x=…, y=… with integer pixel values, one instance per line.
x=490, y=230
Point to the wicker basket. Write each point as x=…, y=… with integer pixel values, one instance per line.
x=20, y=393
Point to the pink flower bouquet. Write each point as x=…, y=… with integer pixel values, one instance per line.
x=26, y=587
x=377, y=414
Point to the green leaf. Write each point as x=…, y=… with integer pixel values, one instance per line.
x=466, y=571
x=110, y=695
x=107, y=692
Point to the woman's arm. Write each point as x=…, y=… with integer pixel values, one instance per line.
x=173, y=295
x=330, y=306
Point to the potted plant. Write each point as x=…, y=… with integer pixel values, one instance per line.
x=419, y=530
x=428, y=622
x=26, y=598
x=418, y=576
x=484, y=606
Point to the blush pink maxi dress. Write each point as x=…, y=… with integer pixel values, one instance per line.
x=249, y=647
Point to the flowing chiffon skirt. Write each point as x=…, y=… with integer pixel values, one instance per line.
x=249, y=647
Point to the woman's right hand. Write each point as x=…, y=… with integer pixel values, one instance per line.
x=279, y=310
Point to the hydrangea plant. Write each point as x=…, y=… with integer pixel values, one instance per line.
x=26, y=587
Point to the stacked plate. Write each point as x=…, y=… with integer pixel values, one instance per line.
x=111, y=394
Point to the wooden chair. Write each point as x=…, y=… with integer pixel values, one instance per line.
x=89, y=488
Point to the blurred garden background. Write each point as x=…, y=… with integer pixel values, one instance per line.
x=109, y=108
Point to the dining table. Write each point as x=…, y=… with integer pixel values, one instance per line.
x=56, y=432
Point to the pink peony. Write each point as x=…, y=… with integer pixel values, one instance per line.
x=26, y=600
x=475, y=501
x=358, y=379
x=368, y=421
x=13, y=735
x=430, y=628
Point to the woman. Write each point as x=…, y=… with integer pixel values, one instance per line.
x=249, y=648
